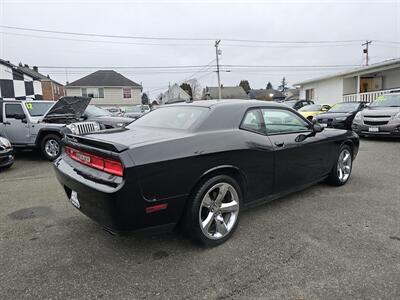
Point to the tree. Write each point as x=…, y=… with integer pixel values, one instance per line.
x=245, y=85
x=187, y=88
x=269, y=86
x=145, y=99
x=283, y=87
x=196, y=88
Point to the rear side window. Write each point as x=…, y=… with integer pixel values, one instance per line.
x=283, y=121
x=13, y=110
x=252, y=121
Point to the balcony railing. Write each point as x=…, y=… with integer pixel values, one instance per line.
x=366, y=97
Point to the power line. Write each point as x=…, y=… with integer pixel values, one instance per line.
x=199, y=66
x=178, y=39
x=177, y=44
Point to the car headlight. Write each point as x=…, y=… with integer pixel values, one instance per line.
x=340, y=118
x=5, y=143
x=120, y=124
x=73, y=128
x=358, y=116
x=96, y=126
x=397, y=116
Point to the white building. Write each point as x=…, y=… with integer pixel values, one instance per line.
x=174, y=94
x=106, y=87
x=360, y=84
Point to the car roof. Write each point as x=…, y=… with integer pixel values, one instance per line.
x=228, y=102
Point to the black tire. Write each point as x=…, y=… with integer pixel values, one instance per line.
x=334, y=177
x=50, y=138
x=193, y=215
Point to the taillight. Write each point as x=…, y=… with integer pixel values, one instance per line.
x=108, y=165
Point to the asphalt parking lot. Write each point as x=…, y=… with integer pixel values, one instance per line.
x=322, y=243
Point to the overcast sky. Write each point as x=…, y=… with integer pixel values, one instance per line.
x=250, y=20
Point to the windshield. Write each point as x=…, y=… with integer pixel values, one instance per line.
x=312, y=107
x=344, y=107
x=177, y=117
x=387, y=101
x=94, y=111
x=133, y=109
x=38, y=109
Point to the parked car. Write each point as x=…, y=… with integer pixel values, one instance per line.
x=104, y=117
x=6, y=153
x=380, y=118
x=42, y=124
x=114, y=111
x=297, y=104
x=311, y=110
x=134, y=112
x=200, y=163
x=340, y=115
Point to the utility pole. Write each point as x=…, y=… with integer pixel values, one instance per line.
x=365, y=51
x=217, y=53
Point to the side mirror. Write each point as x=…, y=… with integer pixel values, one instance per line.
x=317, y=127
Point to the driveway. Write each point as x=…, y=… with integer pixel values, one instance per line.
x=322, y=243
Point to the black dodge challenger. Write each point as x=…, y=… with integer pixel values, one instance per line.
x=200, y=164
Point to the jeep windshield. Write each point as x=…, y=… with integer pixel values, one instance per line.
x=38, y=109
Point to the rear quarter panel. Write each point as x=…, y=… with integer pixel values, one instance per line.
x=172, y=168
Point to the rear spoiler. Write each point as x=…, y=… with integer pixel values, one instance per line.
x=92, y=145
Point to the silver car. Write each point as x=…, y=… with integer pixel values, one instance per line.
x=380, y=118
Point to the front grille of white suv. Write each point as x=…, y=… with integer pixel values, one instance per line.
x=87, y=127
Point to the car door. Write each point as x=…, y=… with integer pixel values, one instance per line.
x=301, y=154
x=15, y=123
x=257, y=161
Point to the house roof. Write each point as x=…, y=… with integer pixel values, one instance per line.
x=35, y=74
x=17, y=69
x=227, y=92
x=104, y=78
x=355, y=71
x=263, y=93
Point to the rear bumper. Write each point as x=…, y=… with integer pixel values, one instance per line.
x=119, y=208
x=389, y=130
x=6, y=158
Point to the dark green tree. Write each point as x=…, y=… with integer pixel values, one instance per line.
x=283, y=87
x=269, y=86
x=187, y=88
x=245, y=85
x=145, y=99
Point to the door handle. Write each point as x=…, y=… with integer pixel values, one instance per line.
x=6, y=123
x=279, y=144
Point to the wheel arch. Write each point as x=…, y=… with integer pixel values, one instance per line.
x=229, y=170
x=45, y=131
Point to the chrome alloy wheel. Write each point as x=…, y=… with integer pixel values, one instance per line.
x=344, y=165
x=52, y=148
x=219, y=211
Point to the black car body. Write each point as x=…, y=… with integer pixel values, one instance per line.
x=159, y=162
x=6, y=153
x=340, y=115
x=105, y=118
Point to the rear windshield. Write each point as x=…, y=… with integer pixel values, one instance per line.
x=344, y=107
x=176, y=117
x=38, y=109
x=387, y=101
